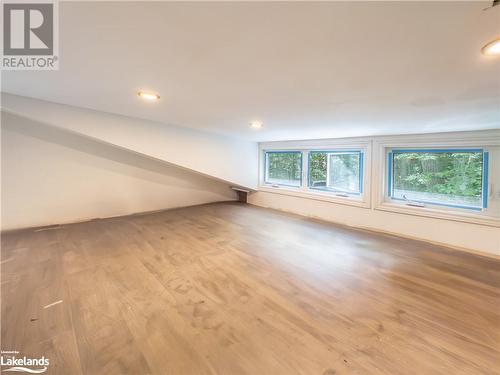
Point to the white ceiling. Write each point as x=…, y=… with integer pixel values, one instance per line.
x=307, y=70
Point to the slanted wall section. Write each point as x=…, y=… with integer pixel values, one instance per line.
x=52, y=176
x=232, y=160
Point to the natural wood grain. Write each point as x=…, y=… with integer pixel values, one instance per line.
x=235, y=289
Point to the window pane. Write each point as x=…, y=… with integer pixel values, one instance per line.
x=335, y=171
x=284, y=168
x=453, y=178
x=317, y=169
x=344, y=172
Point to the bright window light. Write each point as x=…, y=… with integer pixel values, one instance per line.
x=454, y=178
x=336, y=171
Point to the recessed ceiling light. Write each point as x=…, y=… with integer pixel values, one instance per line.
x=256, y=124
x=148, y=96
x=492, y=48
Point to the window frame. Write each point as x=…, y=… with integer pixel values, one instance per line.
x=484, y=176
x=266, y=152
x=487, y=140
x=339, y=152
x=375, y=168
x=363, y=145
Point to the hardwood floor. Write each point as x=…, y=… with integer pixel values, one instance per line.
x=235, y=289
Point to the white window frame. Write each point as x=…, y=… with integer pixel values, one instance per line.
x=487, y=142
x=359, y=144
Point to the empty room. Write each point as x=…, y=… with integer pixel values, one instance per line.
x=250, y=188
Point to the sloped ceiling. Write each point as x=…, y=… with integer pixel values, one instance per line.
x=227, y=159
x=307, y=69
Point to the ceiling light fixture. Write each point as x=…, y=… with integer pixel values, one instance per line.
x=148, y=96
x=256, y=124
x=492, y=48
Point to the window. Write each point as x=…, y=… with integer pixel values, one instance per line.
x=454, y=178
x=333, y=175
x=283, y=168
x=336, y=171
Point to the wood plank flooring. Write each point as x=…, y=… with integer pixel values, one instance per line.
x=234, y=289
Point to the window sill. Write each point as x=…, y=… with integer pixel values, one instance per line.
x=308, y=194
x=433, y=212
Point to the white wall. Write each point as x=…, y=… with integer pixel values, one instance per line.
x=229, y=159
x=52, y=176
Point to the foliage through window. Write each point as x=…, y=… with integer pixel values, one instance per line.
x=336, y=171
x=443, y=177
x=283, y=168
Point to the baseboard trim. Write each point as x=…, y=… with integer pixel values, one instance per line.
x=434, y=243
